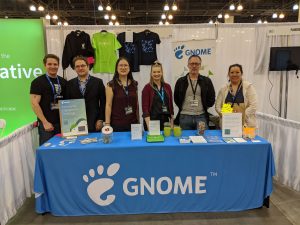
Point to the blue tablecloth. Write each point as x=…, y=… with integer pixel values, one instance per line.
x=133, y=177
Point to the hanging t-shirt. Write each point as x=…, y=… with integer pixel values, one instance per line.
x=147, y=47
x=130, y=51
x=76, y=43
x=105, y=45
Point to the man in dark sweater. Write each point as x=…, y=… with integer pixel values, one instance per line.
x=193, y=95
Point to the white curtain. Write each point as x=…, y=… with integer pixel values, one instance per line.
x=246, y=44
x=17, y=160
x=284, y=136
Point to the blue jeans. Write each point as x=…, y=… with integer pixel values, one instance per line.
x=44, y=136
x=189, y=122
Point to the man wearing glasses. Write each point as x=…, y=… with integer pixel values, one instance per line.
x=193, y=95
x=91, y=89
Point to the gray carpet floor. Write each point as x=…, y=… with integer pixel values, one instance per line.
x=284, y=210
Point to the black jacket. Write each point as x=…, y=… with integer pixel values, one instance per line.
x=207, y=93
x=94, y=99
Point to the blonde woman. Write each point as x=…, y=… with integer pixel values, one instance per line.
x=157, y=100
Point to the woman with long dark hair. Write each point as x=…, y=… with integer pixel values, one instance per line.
x=121, y=108
x=240, y=94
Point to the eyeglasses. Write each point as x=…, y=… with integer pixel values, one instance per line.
x=80, y=66
x=194, y=64
x=123, y=65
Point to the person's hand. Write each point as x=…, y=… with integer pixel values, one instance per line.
x=172, y=123
x=99, y=125
x=48, y=126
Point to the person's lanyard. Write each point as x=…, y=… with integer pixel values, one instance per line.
x=126, y=91
x=82, y=85
x=193, y=89
x=236, y=93
x=53, y=88
x=161, y=94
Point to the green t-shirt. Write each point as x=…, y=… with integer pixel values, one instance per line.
x=105, y=45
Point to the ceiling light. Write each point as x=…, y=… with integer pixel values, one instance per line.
x=226, y=16
x=265, y=21
x=108, y=7
x=100, y=7
x=170, y=16
x=160, y=23
x=66, y=23
x=174, y=7
x=54, y=17
x=41, y=8
x=259, y=21
x=106, y=17
x=240, y=7
x=167, y=23
x=295, y=7
x=59, y=23
x=274, y=16
x=110, y=23
x=211, y=22
x=117, y=23
x=220, y=16
x=166, y=7
x=113, y=17
x=232, y=7
x=32, y=8
x=281, y=16
x=48, y=17
x=163, y=16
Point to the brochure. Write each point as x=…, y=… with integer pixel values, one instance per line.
x=232, y=125
x=214, y=139
x=73, y=120
x=136, y=132
x=229, y=140
x=198, y=139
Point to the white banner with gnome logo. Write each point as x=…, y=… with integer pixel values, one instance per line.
x=206, y=49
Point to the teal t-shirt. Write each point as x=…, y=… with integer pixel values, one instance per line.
x=105, y=45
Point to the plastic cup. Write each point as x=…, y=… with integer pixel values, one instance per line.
x=201, y=128
x=177, y=131
x=167, y=131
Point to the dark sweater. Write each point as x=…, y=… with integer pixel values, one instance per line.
x=207, y=93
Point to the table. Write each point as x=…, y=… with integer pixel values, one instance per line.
x=135, y=177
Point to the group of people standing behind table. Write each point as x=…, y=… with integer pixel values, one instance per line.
x=117, y=103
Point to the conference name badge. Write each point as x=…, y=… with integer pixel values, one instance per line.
x=128, y=110
x=194, y=103
x=164, y=109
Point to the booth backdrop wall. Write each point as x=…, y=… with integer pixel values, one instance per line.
x=22, y=50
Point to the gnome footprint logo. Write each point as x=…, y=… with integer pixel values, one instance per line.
x=99, y=186
x=179, y=52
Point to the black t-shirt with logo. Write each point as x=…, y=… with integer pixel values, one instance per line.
x=130, y=51
x=147, y=47
x=41, y=86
